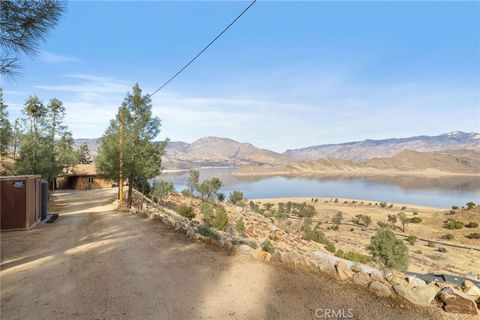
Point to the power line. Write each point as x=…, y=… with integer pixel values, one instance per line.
x=204, y=49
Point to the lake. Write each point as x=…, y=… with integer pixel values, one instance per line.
x=440, y=192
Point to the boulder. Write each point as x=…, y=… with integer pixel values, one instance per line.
x=377, y=276
x=343, y=271
x=415, y=282
x=244, y=249
x=456, y=301
x=327, y=266
x=420, y=295
x=471, y=289
x=361, y=279
x=380, y=289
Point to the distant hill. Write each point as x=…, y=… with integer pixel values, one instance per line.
x=215, y=151
x=460, y=161
x=369, y=149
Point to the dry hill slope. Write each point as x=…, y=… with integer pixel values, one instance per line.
x=464, y=161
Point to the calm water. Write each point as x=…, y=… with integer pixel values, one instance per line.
x=428, y=191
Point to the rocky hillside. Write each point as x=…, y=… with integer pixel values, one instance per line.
x=214, y=151
x=369, y=149
x=462, y=161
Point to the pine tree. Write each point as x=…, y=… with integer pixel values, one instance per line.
x=141, y=155
x=84, y=156
x=5, y=128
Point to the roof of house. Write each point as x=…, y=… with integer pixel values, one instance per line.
x=82, y=170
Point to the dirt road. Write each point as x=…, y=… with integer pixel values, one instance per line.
x=97, y=263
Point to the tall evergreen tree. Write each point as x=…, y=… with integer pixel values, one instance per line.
x=46, y=148
x=5, y=128
x=84, y=155
x=141, y=154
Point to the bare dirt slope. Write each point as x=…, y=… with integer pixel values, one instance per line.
x=97, y=263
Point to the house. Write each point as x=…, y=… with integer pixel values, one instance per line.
x=83, y=177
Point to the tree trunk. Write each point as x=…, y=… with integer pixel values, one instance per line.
x=130, y=191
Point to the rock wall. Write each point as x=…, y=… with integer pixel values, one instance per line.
x=383, y=283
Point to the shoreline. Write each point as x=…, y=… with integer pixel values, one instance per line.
x=341, y=200
x=355, y=173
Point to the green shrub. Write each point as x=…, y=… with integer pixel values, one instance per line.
x=454, y=207
x=416, y=220
x=431, y=244
x=353, y=256
x=162, y=190
x=186, y=193
x=240, y=226
x=220, y=196
x=389, y=250
x=474, y=235
x=186, y=211
x=205, y=230
x=220, y=220
x=383, y=204
x=235, y=197
x=337, y=220
x=453, y=224
x=442, y=249
x=411, y=240
x=362, y=220
x=415, y=213
x=330, y=246
x=472, y=225
x=267, y=246
x=403, y=208
x=419, y=252
x=313, y=235
x=471, y=205
x=448, y=236
x=207, y=212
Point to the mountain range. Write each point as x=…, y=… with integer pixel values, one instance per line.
x=215, y=151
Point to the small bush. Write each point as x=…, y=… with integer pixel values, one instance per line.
x=220, y=196
x=267, y=246
x=472, y=225
x=431, y=244
x=330, y=246
x=442, y=249
x=235, y=197
x=186, y=211
x=411, y=240
x=205, y=230
x=403, y=208
x=389, y=250
x=416, y=220
x=453, y=224
x=454, y=207
x=448, y=236
x=419, y=251
x=471, y=205
x=353, y=256
x=186, y=193
x=313, y=235
x=220, y=220
x=382, y=224
x=362, y=220
x=474, y=235
x=415, y=213
x=240, y=226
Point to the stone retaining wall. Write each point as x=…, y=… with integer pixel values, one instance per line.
x=383, y=283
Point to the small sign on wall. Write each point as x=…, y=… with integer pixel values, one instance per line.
x=19, y=184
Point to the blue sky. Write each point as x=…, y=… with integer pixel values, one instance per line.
x=286, y=75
